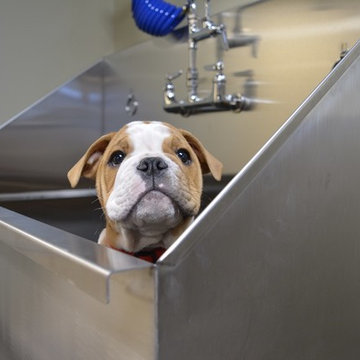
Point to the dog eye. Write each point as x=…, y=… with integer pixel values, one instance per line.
x=116, y=158
x=184, y=156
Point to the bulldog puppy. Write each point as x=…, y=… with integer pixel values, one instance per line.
x=149, y=183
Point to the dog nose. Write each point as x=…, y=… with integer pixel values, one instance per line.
x=152, y=165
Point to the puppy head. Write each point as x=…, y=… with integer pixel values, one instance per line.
x=148, y=176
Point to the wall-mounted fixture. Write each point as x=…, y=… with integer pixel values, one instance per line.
x=198, y=30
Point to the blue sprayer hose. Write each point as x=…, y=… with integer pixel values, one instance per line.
x=156, y=17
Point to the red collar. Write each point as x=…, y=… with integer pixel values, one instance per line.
x=148, y=255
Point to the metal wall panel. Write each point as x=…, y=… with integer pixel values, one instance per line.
x=42, y=143
x=271, y=269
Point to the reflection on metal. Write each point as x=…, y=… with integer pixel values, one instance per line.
x=131, y=105
x=83, y=263
x=343, y=53
x=51, y=194
x=38, y=146
x=239, y=37
x=273, y=260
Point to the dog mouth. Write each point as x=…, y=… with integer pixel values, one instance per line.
x=154, y=208
x=157, y=197
x=153, y=198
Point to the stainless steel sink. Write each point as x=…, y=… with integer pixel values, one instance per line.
x=268, y=270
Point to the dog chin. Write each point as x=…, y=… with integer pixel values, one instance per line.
x=154, y=212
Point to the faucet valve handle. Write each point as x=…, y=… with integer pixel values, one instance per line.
x=218, y=66
x=207, y=10
x=223, y=37
x=169, y=91
x=171, y=77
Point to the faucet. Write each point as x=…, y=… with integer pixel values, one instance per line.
x=218, y=100
x=208, y=29
x=196, y=34
x=219, y=81
x=169, y=94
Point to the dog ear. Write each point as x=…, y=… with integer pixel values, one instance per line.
x=88, y=164
x=207, y=161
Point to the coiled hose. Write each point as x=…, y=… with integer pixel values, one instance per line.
x=156, y=17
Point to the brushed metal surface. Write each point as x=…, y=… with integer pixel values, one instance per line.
x=83, y=263
x=42, y=143
x=271, y=269
x=44, y=316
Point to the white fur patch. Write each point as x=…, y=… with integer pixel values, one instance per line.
x=147, y=139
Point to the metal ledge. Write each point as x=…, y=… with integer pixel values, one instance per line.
x=85, y=264
x=47, y=195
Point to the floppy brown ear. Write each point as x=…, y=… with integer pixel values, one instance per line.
x=207, y=161
x=88, y=164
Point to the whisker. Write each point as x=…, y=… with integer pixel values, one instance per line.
x=94, y=201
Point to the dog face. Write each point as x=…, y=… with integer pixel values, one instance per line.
x=149, y=181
